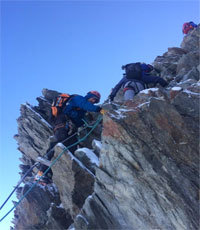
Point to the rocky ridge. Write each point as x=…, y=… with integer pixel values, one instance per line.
x=139, y=172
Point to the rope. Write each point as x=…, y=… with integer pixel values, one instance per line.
x=59, y=156
x=87, y=126
x=27, y=172
x=36, y=164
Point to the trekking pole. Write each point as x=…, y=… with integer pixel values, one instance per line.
x=17, y=186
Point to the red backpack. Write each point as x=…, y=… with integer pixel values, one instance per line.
x=187, y=27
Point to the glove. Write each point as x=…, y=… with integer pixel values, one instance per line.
x=102, y=111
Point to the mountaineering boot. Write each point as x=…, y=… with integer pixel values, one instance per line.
x=43, y=180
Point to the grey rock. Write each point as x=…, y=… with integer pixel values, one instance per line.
x=148, y=162
x=191, y=41
x=33, y=131
x=33, y=213
x=74, y=181
x=141, y=179
x=96, y=145
x=88, y=158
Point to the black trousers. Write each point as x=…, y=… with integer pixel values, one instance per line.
x=60, y=135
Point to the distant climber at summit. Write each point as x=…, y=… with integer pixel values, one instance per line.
x=68, y=117
x=188, y=26
x=136, y=77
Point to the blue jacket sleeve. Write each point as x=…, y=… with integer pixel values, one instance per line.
x=118, y=86
x=145, y=67
x=83, y=103
x=147, y=79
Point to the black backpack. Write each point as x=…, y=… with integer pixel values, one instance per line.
x=133, y=71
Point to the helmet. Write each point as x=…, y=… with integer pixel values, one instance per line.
x=96, y=95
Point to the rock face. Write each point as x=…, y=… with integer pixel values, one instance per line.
x=149, y=156
x=150, y=167
x=57, y=204
x=147, y=174
x=75, y=182
x=41, y=209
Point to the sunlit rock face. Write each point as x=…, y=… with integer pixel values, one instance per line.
x=57, y=204
x=137, y=170
x=149, y=159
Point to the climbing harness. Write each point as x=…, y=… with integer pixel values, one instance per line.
x=59, y=156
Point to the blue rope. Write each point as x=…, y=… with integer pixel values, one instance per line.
x=59, y=156
x=87, y=126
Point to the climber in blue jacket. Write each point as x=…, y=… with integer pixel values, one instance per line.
x=66, y=124
x=79, y=105
x=133, y=86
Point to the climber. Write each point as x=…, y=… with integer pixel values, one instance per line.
x=136, y=78
x=66, y=124
x=188, y=26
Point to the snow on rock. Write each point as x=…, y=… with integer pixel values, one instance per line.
x=88, y=153
x=176, y=88
x=38, y=115
x=74, y=180
x=120, y=113
x=191, y=93
x=146, y=91
x=73, y=157
x=96, y=145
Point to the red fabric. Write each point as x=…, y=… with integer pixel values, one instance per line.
x=187, y=27
x=125, y=89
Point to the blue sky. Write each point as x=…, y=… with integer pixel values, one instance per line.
x=74, y=47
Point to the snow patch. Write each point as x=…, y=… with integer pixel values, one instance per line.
x=120, y=114
x=40, y=117
x=60, y=206
x=90, y=154
x=75, y=159
x=52, y=189
x=44, y=99
x=61, y=145
x=118, y=117
x=125, y=110
x=82, y=217
x=188, y=80
x=97, y=143
x=176, y=88
x=141, y=105
x=146, y=91
x=190, y=92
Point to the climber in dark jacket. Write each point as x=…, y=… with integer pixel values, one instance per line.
x=67, y=123
x=131, y=86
